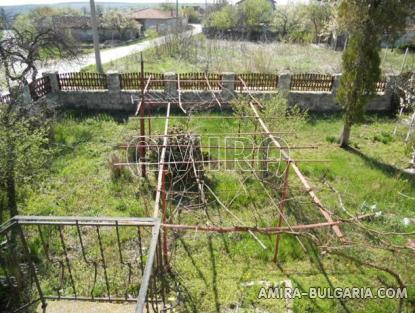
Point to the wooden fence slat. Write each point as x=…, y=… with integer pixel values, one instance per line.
x=311, y=82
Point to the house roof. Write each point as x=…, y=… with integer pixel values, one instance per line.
x=154, y=14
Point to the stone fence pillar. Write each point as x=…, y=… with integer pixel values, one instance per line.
x=284, y=81
x=228, y=84
x=391, y=84
x=114, y=90
x=228, y=81
x=113, y=82
x=26, y=96
x=170, y=85
x=336, y=84
x=54, y=81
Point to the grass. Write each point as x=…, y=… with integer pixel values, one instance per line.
x=224, y=272
x=81, y=171
x=201, y=54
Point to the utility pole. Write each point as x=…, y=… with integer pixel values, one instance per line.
x=177, y=16
x=95, y=36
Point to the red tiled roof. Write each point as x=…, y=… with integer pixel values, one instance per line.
x=153, y=14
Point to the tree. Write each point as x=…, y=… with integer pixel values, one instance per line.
x=224, y=18
x=117, y=20
x=367, y=22
x=167, y=7
x=318, y=14
x=191, y=14
x=22, y=130
x=286, y=20
x=253, y=13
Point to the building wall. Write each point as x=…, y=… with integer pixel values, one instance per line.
x=166, y=25
x=85, y=35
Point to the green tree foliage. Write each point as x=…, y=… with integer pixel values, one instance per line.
x=191, y=14
x=119, y=21
x=225, y=18
x=317, y=14
x=286, y=20
x=302, y=23
x=253, y=13
x=367, y=22
x=38, y=23
x=168, y=7
x=249, y=14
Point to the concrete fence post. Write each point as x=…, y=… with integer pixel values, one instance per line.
x=113, y=82
x=54, y=81
x=228, y=84
x=114, y=90
x=336, y=84
x=284, y=81
x=26, y=96
x=170, y=85
x=391, y=81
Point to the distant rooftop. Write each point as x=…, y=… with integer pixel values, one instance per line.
x=155, y=14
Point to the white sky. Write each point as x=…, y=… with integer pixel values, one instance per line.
x=21, y=2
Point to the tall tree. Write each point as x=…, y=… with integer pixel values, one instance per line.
x=318, y=14
x=367, y=23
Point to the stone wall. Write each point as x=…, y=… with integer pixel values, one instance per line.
x=115, y=99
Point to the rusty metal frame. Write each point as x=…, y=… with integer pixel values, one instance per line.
x=255, y=105
x=143, y=300
x=313, y=196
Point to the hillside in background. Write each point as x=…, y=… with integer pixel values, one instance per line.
x=14, y=10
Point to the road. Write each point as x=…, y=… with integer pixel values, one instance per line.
x=109, y=55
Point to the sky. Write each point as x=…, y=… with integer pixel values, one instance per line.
x=21, y=2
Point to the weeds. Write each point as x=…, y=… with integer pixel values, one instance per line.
x=182, y=53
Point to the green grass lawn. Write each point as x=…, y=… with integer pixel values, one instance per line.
x=223, y=272
x=200, y=54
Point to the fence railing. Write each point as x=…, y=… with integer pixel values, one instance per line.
x=81, y=258
x=6, y=99
x=40, y=87
x=200, y=81
x=132, y=81
x=311, y=82
x=257, y=81
x=381, y=85
x=82, y=81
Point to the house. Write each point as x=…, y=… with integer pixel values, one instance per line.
x=161, y=21
x=81, y=29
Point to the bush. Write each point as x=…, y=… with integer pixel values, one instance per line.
x=384, y=138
